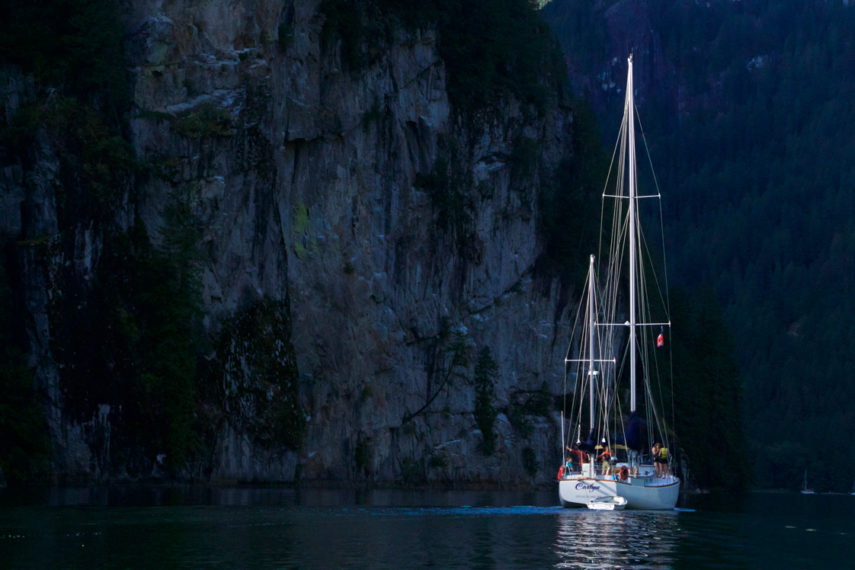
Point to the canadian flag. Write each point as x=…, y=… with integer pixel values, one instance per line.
x=660, y=340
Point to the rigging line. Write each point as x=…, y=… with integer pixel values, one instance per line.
x=564, y=402
x=616, y=225
x=578, y=384
x=671, y=378
x=618, y=142
x=580, y=330
x=661, y=425
x=575, y=402
x=658, y=420
x=663, y=297
x=658, y=194
x=658, y=375
x=620, y=176
x=668, y=310
x=620, y=229
x=667, y=299
x=646, y=149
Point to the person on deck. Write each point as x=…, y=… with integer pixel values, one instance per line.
x=581, y=456
x=570, y=466
x=660, y=460
x=606, y=458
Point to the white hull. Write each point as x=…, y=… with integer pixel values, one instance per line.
x=650, y=492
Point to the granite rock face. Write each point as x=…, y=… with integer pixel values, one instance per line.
x=400, y=238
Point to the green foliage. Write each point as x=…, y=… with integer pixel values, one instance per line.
x=23, y=429
x=459, y=353
x=96, y=163
x=75, y=52
x=708, y=394
x=438, y=461
x=581, y=30
x=534, y=402
x=412, y=471
x=75, y=46
x=447, y=186
x=24, y=443
x=769, y=214
x=525, y=404
x=539, y=403
x=491, y=48
x=486, y=372
x=348, y=27
x=529, y=459
x=451, y=363
x=570, y=204
x=412, y=14
x=258, y=376
x=159, y=316
x=208, y=121
x=520, y=421
x=168, y=374
x=362, y=454
x=360, y=30
x=374, y=114
x=285, y=35
x=19, y=131
x=524, y=159
x=130, y=339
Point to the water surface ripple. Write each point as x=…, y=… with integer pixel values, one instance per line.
x=266, y=528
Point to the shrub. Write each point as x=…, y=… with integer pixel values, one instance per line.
x=208, y=121
x=485, y=409
x=529, y=459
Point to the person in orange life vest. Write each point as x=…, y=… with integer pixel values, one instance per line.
x=606, y=458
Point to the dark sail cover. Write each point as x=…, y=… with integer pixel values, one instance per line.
x=590, y=444
x=634, y=432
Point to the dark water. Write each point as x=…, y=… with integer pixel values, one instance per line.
x=279, y=528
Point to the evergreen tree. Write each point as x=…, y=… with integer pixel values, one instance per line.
x=707, y=393
x=485, y=406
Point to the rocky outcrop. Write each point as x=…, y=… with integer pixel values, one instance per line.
x=388, y=240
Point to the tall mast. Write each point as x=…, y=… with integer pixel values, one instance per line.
x=629, y=108
x=589, y=362
x=591, y=331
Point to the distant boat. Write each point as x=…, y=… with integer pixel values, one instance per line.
x=805, y=490
x=619, y=443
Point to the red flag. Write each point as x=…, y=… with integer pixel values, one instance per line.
x=660, y=340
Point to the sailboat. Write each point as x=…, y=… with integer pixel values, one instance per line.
x=605, y=451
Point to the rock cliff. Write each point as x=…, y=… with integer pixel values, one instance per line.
x=356, y=243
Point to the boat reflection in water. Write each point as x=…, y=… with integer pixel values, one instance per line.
x=592, y=539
